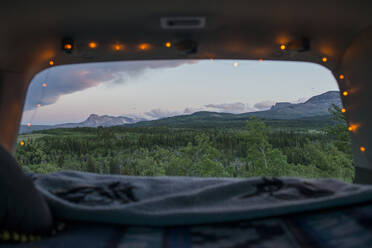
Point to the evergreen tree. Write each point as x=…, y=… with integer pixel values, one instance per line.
x=91, y=166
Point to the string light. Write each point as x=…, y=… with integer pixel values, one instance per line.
x=362, y=149
x=350, y=128
x=324, y=59
x=283, y=47
x=144, y=46
x=341, y=76
x=22, y=143
x=168, y=44
x=92, y=45
x=67, y=46
x=343, y=110
x=51, y=62
x=118, y=47
x=345, y=93
x=236, y=64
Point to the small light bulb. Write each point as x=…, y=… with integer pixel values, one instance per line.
x=343, y=110
x=143, y=46
x=345, y=93
x=211, y=59
x=22, y=143
x=341, y=76
x=260, y=60
x=29, y=124
x=168, y=44
x=38, y=105
x=118, y=47
x=92, y=45
x=324, y=59
x=51, y=62
x=283, y=47
x=236, y=64
x=44, y=85
x=362, y=149
x=350, y=128
x=67, y=46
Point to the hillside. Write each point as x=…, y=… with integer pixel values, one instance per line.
x=313, y=112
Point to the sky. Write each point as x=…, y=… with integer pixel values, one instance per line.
x=157, y=89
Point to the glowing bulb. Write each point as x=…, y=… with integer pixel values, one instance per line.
x=283, y=47
x=211, y=59
x=168, y=44
x=67, y=46
x=260, y=60
x=44, y=85
x=92, y=45
x=118, y=47
x=362, y=149
x=345, y=93
x=51, y=62
x=350, y=128
x=343, y=110
x=324, y=59
x=341, y=76
x=236, y=64
x=29, y=124
x=144, y=46
x=38, y=105
x=22, y=143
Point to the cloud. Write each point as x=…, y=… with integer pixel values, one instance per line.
x=235, y=108
x=160, y=113
x=63, y=80
x=264, y=105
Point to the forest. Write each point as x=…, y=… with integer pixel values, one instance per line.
x=257, y=148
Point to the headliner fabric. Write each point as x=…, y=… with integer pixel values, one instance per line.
x=173, y=201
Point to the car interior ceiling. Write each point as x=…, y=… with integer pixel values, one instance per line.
x=33, y=33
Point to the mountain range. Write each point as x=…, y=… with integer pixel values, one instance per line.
x=316, y=106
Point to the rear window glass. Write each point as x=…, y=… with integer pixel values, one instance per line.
x=205, y=118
